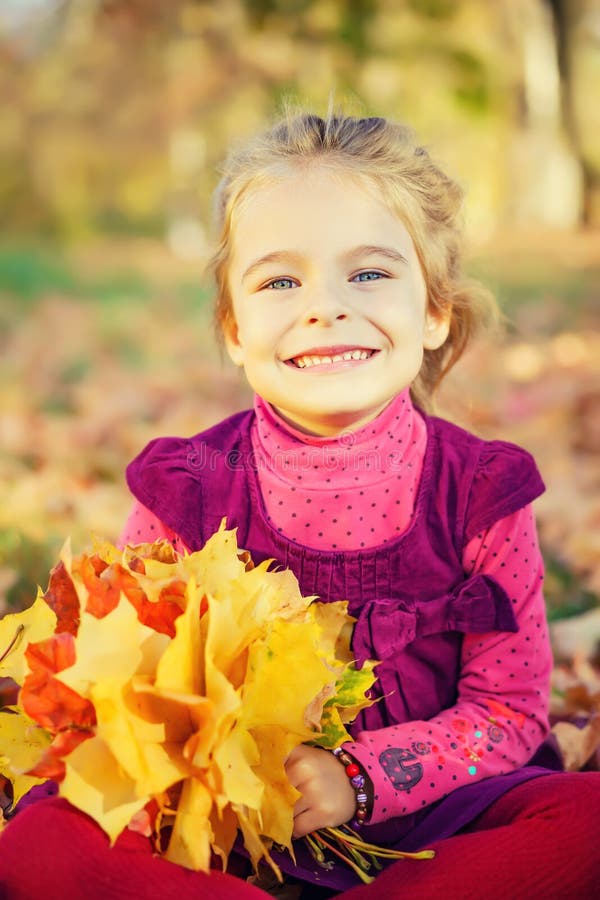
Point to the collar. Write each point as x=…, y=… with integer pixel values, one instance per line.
x=391, y=442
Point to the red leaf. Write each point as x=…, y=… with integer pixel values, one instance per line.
x=137, y=565
x=9, y=691
x=62, y=598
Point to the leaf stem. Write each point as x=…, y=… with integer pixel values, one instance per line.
x=350, y=837
x=18, y=632
x=367, y=879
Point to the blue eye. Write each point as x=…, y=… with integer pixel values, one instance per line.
x=368, y=276
x=280, y=284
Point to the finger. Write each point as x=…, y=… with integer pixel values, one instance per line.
x=301, y=806
x=304, y=824
x=299, y=773
x=311, y=819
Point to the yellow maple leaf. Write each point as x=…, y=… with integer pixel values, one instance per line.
x=181, y=714
x=138, y=745
x=284, y=674
x=179, y=667
x=336, y=631
x=224, y=824
x=254, y=840
x=117, y=645
x=190, y=845
x=19, y=629
x=217, y=564
x=277, y=807
x=22, y=743
x=96, y=783
x=236, y=756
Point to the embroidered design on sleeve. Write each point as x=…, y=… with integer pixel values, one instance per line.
x=495, y=734
x=402, y=767
x=420, y=747
x=501, y=711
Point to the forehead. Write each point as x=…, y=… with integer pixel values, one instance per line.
x=312, y=206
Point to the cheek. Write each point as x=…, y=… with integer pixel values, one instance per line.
x=405, y=322
x=258, y=339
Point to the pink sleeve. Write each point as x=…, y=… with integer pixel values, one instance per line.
x=501, y=714
x=142, y=527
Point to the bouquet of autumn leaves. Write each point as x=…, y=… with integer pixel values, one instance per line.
x=165, y=692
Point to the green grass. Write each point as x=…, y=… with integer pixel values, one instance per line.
x=28, y=273
x=564, y=592
x=569, y=297
x=32, y=561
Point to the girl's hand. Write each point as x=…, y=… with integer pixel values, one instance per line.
x=328, y=798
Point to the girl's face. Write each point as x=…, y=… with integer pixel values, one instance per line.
x=329, y=301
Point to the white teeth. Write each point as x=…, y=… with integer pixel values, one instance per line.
x=304, y=362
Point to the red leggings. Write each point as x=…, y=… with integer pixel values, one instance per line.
x=540, y=841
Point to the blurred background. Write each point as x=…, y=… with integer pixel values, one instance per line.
x=114, y=116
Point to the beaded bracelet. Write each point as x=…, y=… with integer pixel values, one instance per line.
x=358, y=783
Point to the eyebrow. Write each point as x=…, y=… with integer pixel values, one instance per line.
x=278, y=256
x=274, y=257
x=375, y=250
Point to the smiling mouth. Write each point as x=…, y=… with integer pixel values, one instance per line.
x=309, y=360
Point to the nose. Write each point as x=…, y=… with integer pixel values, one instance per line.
x=325, y=319
x=324, y=308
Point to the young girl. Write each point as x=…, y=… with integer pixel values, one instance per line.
x=340, y=293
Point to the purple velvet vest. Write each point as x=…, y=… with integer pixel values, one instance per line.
x=410, y=596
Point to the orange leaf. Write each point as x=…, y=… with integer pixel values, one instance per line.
x=102, y=595
x=51, y=764
x=48, y=766
x=55, y=706
x=122, y=580
x=62, y=599
x=159, y=615
x=52, y=655
x=48, y=701
x=104, y=584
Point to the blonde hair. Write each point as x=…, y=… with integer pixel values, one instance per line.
x=387, y=155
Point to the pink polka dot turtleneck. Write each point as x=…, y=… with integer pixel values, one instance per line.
x=353, y=490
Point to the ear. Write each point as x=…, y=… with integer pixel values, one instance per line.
x=233, y=344
x=435, y=328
